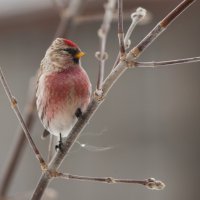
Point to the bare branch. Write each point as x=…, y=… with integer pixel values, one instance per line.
x=150, y=183
x=121, y=28
x=102, y=33
x=136, y=17
x=59, y=6
x=161, y=26
x=67, y=17
x=15, y=108
x=97, y=100
x=166, y=63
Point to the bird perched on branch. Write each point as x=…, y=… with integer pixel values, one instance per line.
x=63, y=88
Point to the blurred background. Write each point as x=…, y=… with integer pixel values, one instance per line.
x=150, y=119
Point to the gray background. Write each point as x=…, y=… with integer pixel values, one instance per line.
x=151, y=117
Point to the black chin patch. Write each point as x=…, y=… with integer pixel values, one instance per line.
x=76, y=60
x=73, y=52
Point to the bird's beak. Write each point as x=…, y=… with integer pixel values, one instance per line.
x=79, y=54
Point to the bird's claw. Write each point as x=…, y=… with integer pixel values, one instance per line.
x=59, y=145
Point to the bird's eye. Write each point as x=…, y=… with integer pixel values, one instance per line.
x=67, y=50
x=70, y=51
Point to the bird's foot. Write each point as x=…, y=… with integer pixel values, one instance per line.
x=60, y=144
x=59, y=147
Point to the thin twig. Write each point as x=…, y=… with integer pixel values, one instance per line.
x=95, y=103
x=102, y=33
x=60, y=7
x=67, y=17
x=20, y=142
x=121, y=29
x=15, y=108
x=136, y=17
x=160, y=28
x=150, y=183
x=167, y=63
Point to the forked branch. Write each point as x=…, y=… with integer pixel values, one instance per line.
x=160, y=28
x=136, y=17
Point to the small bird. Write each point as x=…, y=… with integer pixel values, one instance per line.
x=63, y=88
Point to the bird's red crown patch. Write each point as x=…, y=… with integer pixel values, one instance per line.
x=69, y=43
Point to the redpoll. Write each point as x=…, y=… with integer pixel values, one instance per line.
x=63, y=88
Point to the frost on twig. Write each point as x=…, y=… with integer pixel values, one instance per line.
x=136, y=17
x=102, y=55
x=154, y=184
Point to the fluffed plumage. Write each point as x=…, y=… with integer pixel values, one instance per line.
x=63, y=87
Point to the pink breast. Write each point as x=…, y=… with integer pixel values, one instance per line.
x=69, y=87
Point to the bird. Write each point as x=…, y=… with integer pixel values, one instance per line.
x=63, y=90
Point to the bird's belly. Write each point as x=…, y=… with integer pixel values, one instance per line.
x=57, y=102
x=62, y=122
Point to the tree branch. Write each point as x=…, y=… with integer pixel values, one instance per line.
x=102, y=33
x=97, y=100
x=67, y=17
x=121, y=28
x=136, y=17
x=59, y=6
x=160, y=28
x=150, y=183
x=166, y=63
x=15, y=108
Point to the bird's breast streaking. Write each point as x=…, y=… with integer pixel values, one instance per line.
x=61, y=94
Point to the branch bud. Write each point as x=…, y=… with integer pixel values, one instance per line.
x=154, y=184
x=101, y=57
x=141, y=12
